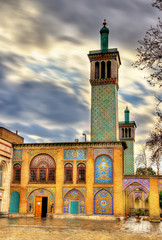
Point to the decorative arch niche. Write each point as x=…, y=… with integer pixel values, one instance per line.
x=72, y=196
x=103, y=203
x=43, y=169
x=103, y=170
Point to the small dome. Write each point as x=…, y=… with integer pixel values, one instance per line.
x=126, y=110
x=104, y=29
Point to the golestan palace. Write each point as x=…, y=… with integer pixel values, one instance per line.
x=84, y=178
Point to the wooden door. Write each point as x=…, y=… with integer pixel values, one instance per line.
x=38, y=206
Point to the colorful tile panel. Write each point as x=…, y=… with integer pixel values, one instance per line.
x=103, y=170
x=104, y=113
x=74, y=195
x=129, y=181
x=160, y=184
x=75, y=154
x=98, y=152
x=129, y=158
x=103, y=203
x=17, y=155
x=82, y=190
x=136, y=195
x=145, y=195
x=133, y=187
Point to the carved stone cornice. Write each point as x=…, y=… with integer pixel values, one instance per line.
x=102, y=56
x=71, y=145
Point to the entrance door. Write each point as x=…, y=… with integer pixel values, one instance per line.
x=44, y=206
x=38, y=207
x=74, y=207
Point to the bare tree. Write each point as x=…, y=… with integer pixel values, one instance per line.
x=155, y=145
x=150, y=51
x=142, y=159
x=150, y=57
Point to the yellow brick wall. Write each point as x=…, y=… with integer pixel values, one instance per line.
x=154, y=208
x=89, y=201
x=10, y=136
x=118, y=182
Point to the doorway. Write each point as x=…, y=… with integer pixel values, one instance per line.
x=74, y=207
x=44, y=207
x=41, y=206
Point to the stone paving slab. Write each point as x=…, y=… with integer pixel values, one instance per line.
x=69, y=229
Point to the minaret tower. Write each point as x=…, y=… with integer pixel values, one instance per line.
x=104, y=81
x=127, y=133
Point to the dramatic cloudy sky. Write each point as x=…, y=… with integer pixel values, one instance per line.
x=44, y=68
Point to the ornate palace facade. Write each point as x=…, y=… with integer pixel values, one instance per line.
x=87, y=178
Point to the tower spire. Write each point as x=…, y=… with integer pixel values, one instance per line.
x=104, y=36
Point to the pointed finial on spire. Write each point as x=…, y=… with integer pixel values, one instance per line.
x=104, y=22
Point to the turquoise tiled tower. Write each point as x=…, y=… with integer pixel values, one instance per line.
x=104, y=81
x=127, y=133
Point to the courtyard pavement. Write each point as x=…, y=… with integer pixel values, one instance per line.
x=69, y=229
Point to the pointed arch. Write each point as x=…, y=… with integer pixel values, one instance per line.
x=103, y=202
x=71, y=197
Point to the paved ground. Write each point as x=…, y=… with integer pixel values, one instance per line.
x=73, y=229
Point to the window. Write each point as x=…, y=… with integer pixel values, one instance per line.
x=33, y=175
x=122, y=132
x=42, y=169
x=1, y=173
x=126, y=132
x=42, y=174
x=81, y=170
x=51, y=175
x=68, y=173
x=17, y=172
x=97, y=70
x=129, y=132
x=109, y=69
x=102, y=69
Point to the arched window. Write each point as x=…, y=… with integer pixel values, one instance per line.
x=97, y=70
x=1, y=175
x=43, y=169
x=81, y=173
x=109, y=69
x=68, y=171
x=129, y=132
x=16, y=172
x=126, y=132
x=122, y=132
x=102, y=69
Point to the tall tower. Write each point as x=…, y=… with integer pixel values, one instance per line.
x=104, y=91
x=127, y=133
